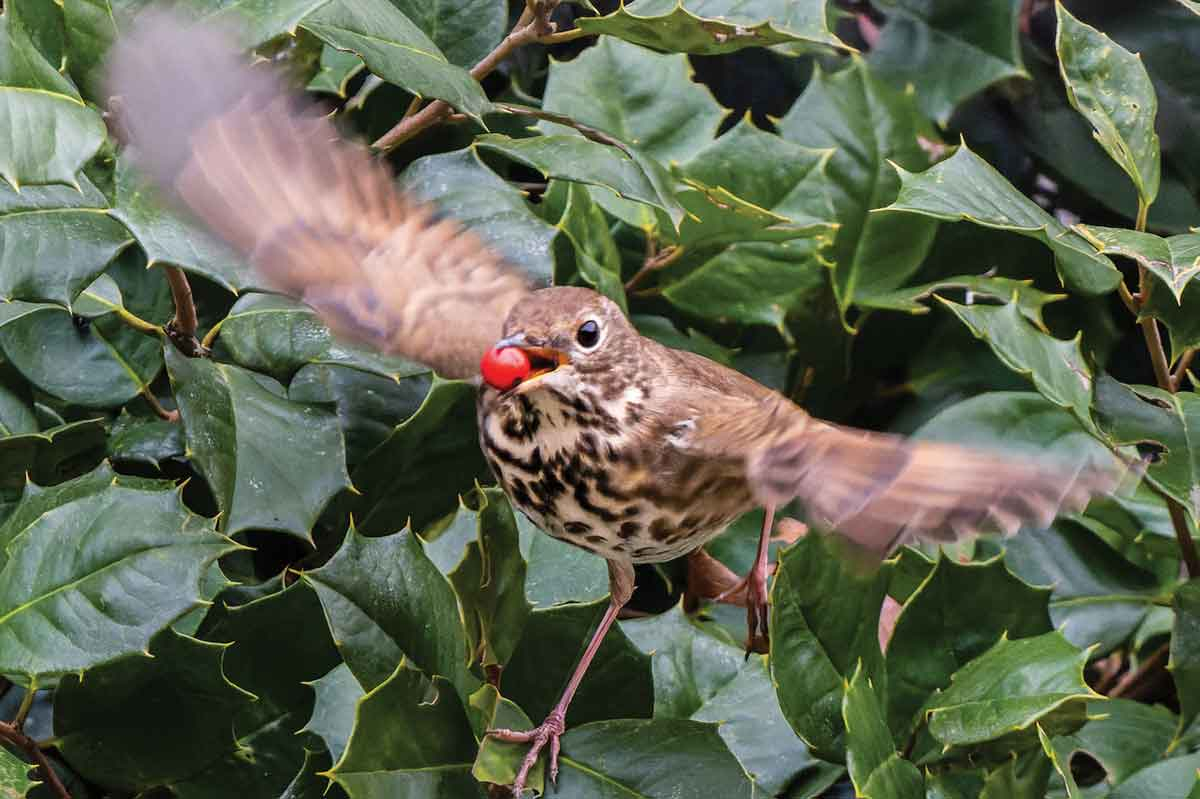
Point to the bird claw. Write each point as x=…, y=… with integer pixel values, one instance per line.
x=757, y=611
x=548, y=732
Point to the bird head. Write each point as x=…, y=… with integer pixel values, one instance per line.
x=569, y=335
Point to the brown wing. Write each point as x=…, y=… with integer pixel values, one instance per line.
x=879, y=490
x=318, y=216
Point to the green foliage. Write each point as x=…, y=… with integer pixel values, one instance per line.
x=241, y=557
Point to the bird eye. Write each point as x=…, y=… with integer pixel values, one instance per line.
x=588, y=334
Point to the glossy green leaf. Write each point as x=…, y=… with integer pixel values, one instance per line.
x=368, y=406
x=385, y=601
x=335, y=71
x=1008, y=689
x=557, y=572
x=1174, y=260
x=279, y=643
x=48, y=132
x=1185, y=652
x=277, y=336
x=52, y=350
x=1097, y=596
x=272, y=464
x=91, y=578
x=824, y=621
x=479, y=551
x=1109, y=86
x=876, y=768
x=49, y=456
x=648, y=759
x=150, y=441
x=396, y=50
x=651, y=104
x=715, y=26
x=1190, y=5
x=574, y=158
x=915, y=299
x=385, y=758
x=870, y=127
x=960, y=611
x=171, y=713
x=460, y=185
x=1057, y=368
x=756, y=283
x=618, y=684
x=1174, y=777
x=54, y=241
x=1123, y=736
x=16, y=412
x=754, y=729
x=14, y=776
x=465, y=31
x=417, y=474
x=1143, y=414
x=745, y=164
x=964, y=186
x=172, y=239
x=689, y=666
x=585, y=226
x=948, y=50
x=257, y=21
x=336, y=698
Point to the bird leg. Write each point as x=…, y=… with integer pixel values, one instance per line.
x=555, y=724
x=755, y=586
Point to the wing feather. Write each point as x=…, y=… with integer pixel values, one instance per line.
x=318, y=216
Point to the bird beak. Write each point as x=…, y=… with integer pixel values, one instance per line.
x=542, y=359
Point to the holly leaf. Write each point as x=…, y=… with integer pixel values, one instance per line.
x=93, y=570
x=48, y=134
x=1016, y=685
x=273, y=464
x=876, y=768
x=14, y=776
x=964, y=186
x=1185, y=652
x=948, y=50
x=384, y=758
x=709, y=27
x=398, y=51
x=171, y=711
x=54, y=241
x=1057, y=368
x=1109, y=86
x=385, y=601
x=824, y=621
x=1174, y=260
x=870, y=127
x=957, y=613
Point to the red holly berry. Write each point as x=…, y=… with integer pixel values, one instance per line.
x=504, y=368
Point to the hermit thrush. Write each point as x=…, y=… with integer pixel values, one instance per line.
x=606, y=439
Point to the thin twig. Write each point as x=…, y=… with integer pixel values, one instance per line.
x=1181, y=368
x=156, y=406
x=663, y=259
x=1167, y=382
x=182, y=329
x=14, y=736
x=1132, y=677
x=533, y=26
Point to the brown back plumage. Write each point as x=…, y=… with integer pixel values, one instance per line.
x=318, y=216
x=879, y=490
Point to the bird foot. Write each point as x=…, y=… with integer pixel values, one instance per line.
x=757, y=610
x=548, y=732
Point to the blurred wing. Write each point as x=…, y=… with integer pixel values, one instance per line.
x=318, y=216
x=881, y=490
